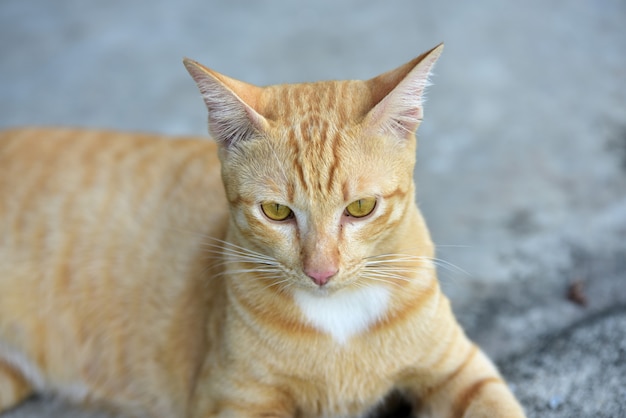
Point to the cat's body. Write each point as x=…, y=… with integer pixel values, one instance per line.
x=307, y=289
x=103, y=263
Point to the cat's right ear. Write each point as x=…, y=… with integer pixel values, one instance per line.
x=231, y=105
x=398, y=96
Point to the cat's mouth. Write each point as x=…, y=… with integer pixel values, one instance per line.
x=335, y=284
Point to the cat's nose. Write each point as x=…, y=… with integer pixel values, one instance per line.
x=320, y=277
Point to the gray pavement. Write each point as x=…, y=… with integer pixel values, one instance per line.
x=521, y=163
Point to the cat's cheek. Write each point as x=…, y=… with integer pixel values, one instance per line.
x=279, y=238
x=254, y=229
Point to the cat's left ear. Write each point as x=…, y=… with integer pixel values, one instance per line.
x=398, y=95
x=231, y=104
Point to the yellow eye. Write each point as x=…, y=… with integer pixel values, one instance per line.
x=362, y=207
x=276, y=212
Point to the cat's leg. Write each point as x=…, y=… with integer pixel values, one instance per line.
x=456, y=379
x=241, y=397
x=472, y=389
x=247, y=411
x=243, y=409
x=13, y=387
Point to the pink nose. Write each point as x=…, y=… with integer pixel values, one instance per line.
x=320, y=277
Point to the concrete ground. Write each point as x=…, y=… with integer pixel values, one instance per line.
x=522, y=156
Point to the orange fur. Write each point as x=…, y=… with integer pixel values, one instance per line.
x=130, y=276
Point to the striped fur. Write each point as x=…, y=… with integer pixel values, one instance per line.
x=132, y=275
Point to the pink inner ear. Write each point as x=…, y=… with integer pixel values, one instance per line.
x=231, y=118
x=400, y=112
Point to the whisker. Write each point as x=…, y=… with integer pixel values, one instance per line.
x=230, y=251
x=383, y=274
x=225, y=245
x=280, y=284
x=376, y=279
x=399, y=271
x=225, y=253
x=391, y=258
x=450, y=266
x=252, y=270
x=241, y=259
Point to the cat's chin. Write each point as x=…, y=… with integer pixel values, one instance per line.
x=322, y=291
x=316, y=291
x=343, y=314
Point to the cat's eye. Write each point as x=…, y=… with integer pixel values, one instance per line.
x=276, y=211
x=361, y=208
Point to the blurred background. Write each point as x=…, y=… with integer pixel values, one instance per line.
x=522, y=155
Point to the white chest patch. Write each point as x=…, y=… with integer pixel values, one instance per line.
x=346, y=313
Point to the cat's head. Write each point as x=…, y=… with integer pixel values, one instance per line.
x=319, y=176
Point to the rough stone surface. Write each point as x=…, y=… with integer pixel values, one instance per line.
x=576, y=372
x=521, y=161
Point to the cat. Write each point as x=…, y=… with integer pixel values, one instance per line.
x=281, y=270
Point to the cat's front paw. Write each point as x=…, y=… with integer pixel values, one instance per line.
x=487, y=398
x=13, y=387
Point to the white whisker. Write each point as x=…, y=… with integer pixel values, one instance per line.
x=282, y=284
x=450, y=266
x=239, y=260
x=376, y=279
x=236, y=252
x=398, y=258
x=383, y=275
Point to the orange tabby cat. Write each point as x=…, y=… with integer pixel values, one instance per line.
x=304, y=287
